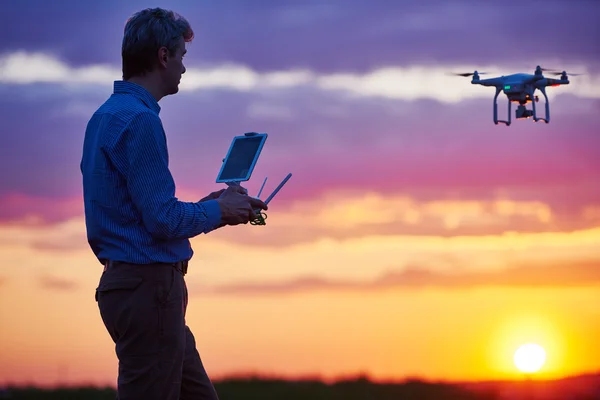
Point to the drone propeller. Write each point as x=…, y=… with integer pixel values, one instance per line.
x=466, y=74
x=556, y=73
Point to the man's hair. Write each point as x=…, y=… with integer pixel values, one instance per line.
x=145, y=33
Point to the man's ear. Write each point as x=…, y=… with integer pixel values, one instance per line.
x=163, y=55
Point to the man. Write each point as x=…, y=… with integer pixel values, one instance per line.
x=136, y=226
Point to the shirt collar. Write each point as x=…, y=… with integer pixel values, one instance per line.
x=140, y=92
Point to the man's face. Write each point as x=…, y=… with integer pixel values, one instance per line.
x=174, y=68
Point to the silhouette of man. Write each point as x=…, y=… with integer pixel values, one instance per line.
x=138, y=229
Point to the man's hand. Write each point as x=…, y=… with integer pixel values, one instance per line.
x=212, y=196
x=237, y=207
x=218, y=193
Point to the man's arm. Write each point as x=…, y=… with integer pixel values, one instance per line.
x=152, y=188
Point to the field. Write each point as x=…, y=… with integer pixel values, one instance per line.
x=574, y=388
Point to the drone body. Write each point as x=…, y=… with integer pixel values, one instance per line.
x=520, y=88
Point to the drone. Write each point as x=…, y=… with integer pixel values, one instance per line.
x=520, y=88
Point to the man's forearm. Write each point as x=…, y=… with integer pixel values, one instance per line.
x=183, y=219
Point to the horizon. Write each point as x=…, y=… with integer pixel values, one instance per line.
x=415, y=237
x=334, y=380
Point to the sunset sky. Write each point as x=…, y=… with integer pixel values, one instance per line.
x=415, y=238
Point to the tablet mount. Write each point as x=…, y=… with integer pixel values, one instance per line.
x=261, y=215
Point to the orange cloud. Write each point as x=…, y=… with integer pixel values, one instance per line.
x=54, y=283
x=283, y=251
x=415, y=277
x=59, y=236
x=336, y=214
x=342, y=215
x=342, y=211
x=591, y=213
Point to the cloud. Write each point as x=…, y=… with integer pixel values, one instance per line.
x=351, y=213
x=25, y=210
x=59, y=284
x=341, y=36
x=592, y=213
x=417, y=278
x=37, y=233
x=25, y=68
x=272, y=255
x=265, y=110
x=331, y=141
x=346, y=215
x=58, y=225
x=406, y=83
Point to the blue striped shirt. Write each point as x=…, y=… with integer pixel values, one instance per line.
x=131, y=212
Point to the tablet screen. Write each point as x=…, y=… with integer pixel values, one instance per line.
x=241, y=159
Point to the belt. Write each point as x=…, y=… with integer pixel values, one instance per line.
x=180, y=266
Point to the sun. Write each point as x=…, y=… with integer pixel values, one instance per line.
x=529, y=358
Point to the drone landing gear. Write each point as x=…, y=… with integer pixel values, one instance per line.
x=522, y=112
x=496, y=120
x=535, y=117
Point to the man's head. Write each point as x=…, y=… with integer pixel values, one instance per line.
x=154, y=46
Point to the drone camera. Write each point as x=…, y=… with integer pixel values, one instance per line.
x=523, y=112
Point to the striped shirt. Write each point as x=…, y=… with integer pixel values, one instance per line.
x=131, y=212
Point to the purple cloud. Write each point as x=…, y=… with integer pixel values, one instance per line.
x=342, y=35
x=422, y=148
x=41, y=141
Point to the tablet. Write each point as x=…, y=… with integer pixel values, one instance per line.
x=241, y=158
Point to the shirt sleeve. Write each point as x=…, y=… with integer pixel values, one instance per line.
x=152, y=187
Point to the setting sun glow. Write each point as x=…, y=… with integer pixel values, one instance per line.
x=529, y=358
